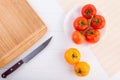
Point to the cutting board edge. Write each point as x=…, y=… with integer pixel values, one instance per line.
x=23, y=48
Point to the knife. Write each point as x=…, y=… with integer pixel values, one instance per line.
x=26, y=59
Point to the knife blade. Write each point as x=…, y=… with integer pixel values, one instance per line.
x=26, y=59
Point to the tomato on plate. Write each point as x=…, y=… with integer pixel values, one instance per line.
x=72, y=56
x=92, y=35
x=77, y=37
x=98, y=22
x=88, y=11
x=80, y=23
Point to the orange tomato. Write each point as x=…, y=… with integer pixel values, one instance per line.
x=77, y=37
x=72, y=56
x=82, y=69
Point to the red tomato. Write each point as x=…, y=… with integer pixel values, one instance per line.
x=80, y=23
x=98, y=22
x=88, y=11
x=77, y=37
x=92, y=35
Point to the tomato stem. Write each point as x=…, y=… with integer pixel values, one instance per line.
x=79, y=71
x=97, y=21
x=73, y=55
x=89, y=22
x=81, y=23
x=88, y=12
x=91, y=32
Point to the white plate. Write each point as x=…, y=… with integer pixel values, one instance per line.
x=68, y=24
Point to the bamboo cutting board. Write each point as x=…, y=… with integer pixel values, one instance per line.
x=20, y=28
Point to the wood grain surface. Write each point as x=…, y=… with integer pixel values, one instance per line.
x=20, y=28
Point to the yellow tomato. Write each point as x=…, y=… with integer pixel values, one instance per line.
x=82, y=69
x=72, y=56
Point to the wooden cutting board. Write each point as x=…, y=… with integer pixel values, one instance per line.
x=20, y=28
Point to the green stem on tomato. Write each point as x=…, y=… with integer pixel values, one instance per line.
x=89, y=21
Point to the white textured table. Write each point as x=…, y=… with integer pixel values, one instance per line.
x=50, y=63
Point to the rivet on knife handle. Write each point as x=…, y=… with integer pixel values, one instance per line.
x=12, y=69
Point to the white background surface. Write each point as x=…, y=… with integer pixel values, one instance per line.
x=50, y=63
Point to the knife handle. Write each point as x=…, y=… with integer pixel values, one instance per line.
x=12, y=69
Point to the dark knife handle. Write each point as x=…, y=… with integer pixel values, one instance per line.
x=12, y=69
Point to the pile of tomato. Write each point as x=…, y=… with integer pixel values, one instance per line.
x=88, y=25
x=73, y=56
